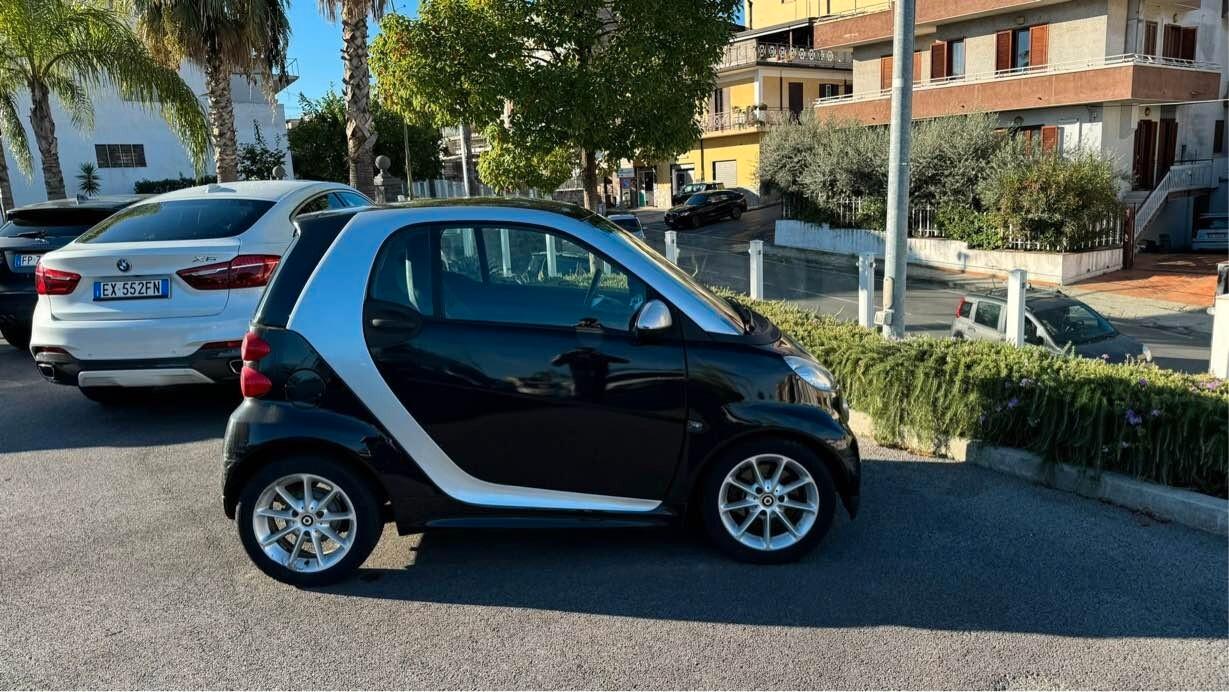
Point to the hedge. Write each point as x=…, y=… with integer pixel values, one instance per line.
x=157, y=187
x=1134, y=418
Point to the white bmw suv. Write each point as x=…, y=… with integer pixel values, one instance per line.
x=161, y=294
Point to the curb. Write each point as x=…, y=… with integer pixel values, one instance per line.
x=1185, y=507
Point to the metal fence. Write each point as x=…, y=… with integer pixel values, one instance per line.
x=450, y=189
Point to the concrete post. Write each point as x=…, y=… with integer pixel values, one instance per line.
x=552, y=269
x=1016, y=287
x=505, y=251
x=756, y=250
x=672, y=246
x=389, y=188
x=866, y=290
x=897, y=241
x=1220, y=338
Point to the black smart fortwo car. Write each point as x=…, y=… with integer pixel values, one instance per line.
x=505, y=362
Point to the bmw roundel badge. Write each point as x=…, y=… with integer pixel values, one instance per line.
x=122, y=265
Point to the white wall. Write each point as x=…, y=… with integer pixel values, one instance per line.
x=121, y=122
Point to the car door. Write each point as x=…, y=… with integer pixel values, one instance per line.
x=512, y=347
x=718, y=205
x=987, y=321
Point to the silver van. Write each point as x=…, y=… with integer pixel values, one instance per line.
x=1052, y=320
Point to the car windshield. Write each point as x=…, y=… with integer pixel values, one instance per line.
x=631, y=223
x=692, y=188
x=1075, y=324
x=721, y=307
x=697, y=200
x=23, y=227
x=180, y=219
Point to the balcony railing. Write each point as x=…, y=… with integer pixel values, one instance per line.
x=746, y=53
x=749, y=119
x=1050, y=68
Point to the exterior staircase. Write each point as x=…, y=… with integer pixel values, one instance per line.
x=1188, y=176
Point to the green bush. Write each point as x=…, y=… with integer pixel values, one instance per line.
x=157, y=187
x=962, y=222
x=1136, y=419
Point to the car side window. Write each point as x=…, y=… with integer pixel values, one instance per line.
x=318, y=203
x=352, y=199
x=966, y=308
x=534, y=277
x=402, y=271
x=987, y=314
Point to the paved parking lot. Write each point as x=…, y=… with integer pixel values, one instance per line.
x=120, y=570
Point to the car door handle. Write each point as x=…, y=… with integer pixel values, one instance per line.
x=394, y=324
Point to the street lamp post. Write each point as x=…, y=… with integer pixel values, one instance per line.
x=896, y=248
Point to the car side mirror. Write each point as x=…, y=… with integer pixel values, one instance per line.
x=653, y=318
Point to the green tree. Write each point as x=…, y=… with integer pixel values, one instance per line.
x=221, y=37
x=361, y=135
x=12, y=135
x=257, y=159
x=88, y=181
x=318, y=140
x=508, y=169
x=623, y=77
x=71, y=49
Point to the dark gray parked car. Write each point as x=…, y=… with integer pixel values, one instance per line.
x=1052, y=320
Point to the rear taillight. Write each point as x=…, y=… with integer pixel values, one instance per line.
x=253, y=348
x=245, y=271
x=53, y=282
x=253, y=383
x=960, y=308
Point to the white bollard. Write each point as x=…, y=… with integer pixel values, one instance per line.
x=866, y=290
x=552, y=265
x=505, y=249
x=1220, y=338
x=756, y=250
x=1015, y=306
x=672, y=246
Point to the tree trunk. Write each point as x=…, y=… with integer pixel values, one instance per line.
x=467, y=176
x=44, y=133
x=221, y=119
x=6, y=188
x=588, y=178
x=356, y=79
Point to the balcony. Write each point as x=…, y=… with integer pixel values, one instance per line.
x=873, y=23
x=748, y=120
x=1120, y=78
x=748, y=53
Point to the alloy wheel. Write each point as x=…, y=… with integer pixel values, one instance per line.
x=768, y=502
x=304, y=522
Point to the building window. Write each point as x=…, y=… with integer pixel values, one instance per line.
x=955, y=58
x=120, y=155
x=1021, y=54
x=830, y=90
x=718, y=101
x=1150, y=34
x=1218, y=138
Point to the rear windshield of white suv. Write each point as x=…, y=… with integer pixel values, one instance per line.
x=180, y=219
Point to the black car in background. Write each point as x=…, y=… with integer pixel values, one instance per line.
x=27, y=234
x=690, y=189
x=707, y=206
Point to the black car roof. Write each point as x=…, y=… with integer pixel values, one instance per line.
x=104, y=203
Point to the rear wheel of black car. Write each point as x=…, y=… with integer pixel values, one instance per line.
x=17, y=334
x=736, y=212
x=767, y=501
x=308, y=520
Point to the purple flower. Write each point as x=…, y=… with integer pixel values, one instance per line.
x=1026, y=382
x=1156, y=413
x=1013, y=403
x=1143, y=382
x=1212, y=384
x=1105, y=356
x=1134, y=418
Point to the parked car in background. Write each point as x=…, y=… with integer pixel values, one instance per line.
x=629, y=222
x=693, y=188
x=1052, y=320
x=707, y=206
x=28, y=234
x=420, y=365
x=161, y=293
x=1211, y=233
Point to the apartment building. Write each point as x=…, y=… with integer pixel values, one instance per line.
x=1142, y=80
x=771, y=71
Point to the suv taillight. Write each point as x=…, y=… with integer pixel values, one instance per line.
x=960, y=307
x=252, y=382
x=245, y=271
x=53, y=282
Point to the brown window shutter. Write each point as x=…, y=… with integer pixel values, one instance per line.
x=1039, y=45
x=1187, y=51
x=885, y=72
x=1049, y=138
x=917, y=66
x=1150, y=38
x=1173, y=41
x=1002, y=51
x=938, y=60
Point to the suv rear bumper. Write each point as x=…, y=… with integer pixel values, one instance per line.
x=205, y=366
x=136, y=341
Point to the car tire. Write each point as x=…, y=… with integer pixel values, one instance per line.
x=355, y=496
x=736, y=212
x=111, y=396
x=17, y=334
x=802, y=467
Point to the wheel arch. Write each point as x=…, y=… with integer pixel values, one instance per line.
x=274, y=450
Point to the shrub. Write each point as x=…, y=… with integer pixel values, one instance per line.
x=157, y=187
x=257, y=159
x=1136, y=419
x=961, y=222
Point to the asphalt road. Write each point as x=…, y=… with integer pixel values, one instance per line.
x=120, y=571
x=718, y=254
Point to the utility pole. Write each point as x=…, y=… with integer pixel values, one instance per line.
x=896, y=247
x=409, y=172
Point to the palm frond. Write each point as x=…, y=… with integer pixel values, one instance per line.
x=14, y=134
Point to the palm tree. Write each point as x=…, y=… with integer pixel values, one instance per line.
x=71, y=49
x=221, y=37
x=13, y=135
x=356, y=78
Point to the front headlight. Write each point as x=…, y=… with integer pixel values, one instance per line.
x=812, y=373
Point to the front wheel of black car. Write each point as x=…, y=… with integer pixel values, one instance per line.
x=736, y=212
x=767, y=501
x=695, y=221
x=17, y=334
x=308, y=521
